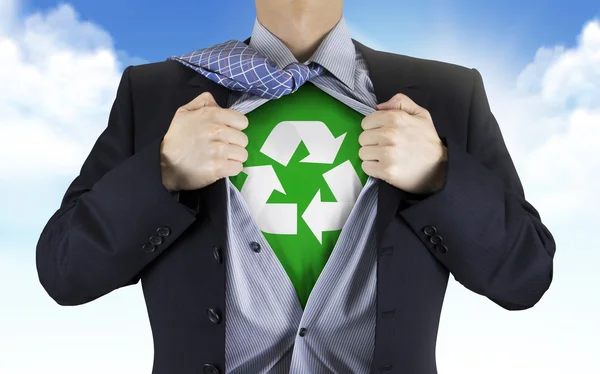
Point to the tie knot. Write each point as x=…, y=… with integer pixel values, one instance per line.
x=302, y=73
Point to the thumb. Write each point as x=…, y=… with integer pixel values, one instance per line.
x=200, y=101
x=403, y=103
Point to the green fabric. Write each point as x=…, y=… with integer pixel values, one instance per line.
x=301, y=255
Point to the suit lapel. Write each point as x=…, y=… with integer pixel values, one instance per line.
x=389, y=73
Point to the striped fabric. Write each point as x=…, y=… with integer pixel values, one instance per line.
x=264, y=317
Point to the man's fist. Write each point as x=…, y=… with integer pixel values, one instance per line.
x=401, y=146
x=204, y=143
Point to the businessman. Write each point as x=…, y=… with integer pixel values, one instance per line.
x=296, y=202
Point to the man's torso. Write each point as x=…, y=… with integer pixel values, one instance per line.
x=187, y=280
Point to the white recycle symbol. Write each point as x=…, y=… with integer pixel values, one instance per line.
x=323, y=147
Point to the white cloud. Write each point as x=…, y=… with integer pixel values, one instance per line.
x=553, y=118
x=59, y=76
x=575, y=74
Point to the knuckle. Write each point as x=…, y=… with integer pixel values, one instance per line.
x=393, y=116
x=211, y=167
x=205, y=95
x=216, y=150
x=208, y=112
x=401, y=116
x=222, y=132
x=214, y=130
x=389, y=170
x=390, y=153
x=385, y=153
x=391, y=134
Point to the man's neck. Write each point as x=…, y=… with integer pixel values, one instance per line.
x=300, y=25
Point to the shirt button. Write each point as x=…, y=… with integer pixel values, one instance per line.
x=217, y=254
x=302, y=332
x=214, y=316
x=255, y=246
x=163, y=231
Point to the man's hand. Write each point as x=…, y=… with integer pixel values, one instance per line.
x=401, y=146
x=204, y=143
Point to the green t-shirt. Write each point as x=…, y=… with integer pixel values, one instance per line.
x=302, y=178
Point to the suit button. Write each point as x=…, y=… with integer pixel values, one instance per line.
x=163, y=231
x=213, y=315
x=255, y=246
x=441, y=248
x=217, y=254
x=302, y=332
x=156, y=240
x=210, y=369
x=429, y=230
x=148, y=247
x=436, y=239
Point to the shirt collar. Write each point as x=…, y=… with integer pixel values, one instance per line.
x=336, y=53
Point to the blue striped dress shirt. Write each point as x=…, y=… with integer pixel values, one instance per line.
x=263, y=313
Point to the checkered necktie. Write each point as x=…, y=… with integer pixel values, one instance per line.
x=238, y=67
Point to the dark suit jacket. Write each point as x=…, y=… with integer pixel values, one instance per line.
x=118, y=224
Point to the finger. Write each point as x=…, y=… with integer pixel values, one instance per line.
x=372, y=121
x=224, y=116
x=372, y=168
x=200, y=101
x=229, y=135
x=401, y=102
x=379, y=136
x=368, y=137
x=370, y=153
x=383, y=118
x=236, y=153
x=231, y=118
x=229, y=168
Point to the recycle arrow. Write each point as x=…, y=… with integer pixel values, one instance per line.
x=326, y=216
x=284, y=139
x=270, y=218
x=323, y=147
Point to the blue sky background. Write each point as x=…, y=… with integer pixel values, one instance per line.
x=541, y=65
x=153, y=29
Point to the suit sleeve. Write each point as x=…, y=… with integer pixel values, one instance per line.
x=479, y=226
x=100, y=237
